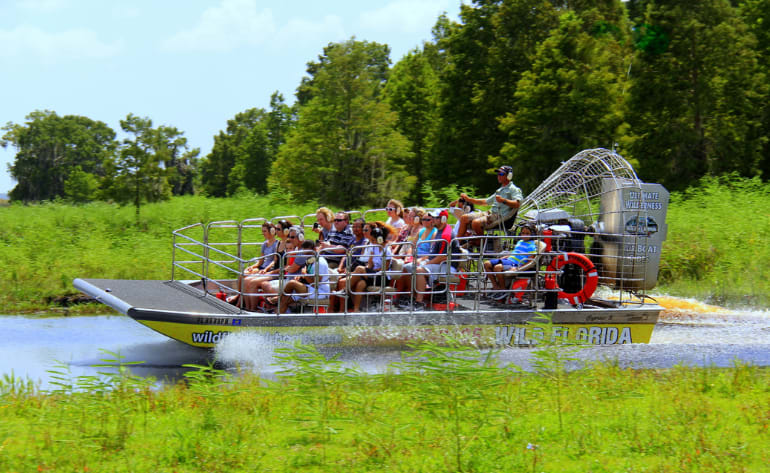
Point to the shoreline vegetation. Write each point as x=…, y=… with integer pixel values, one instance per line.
x=439, y=409
x=715, y=250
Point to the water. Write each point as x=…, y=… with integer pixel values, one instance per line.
x=689, y=333
x=30, y=346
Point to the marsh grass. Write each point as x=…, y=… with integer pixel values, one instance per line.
x=716, y=247
x=45, y=246
x=439, y=409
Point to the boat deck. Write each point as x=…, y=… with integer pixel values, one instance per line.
x=173, y=296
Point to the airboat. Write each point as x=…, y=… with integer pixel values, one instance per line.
x=599, y=236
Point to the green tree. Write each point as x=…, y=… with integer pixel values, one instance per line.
x=570, y=100
x=136, y=175
x=696, y=85
x=377, y=67
x=170, y=147
x=486, y=56
x=756, y=14
x=81, y=186
x=413, y=92
x=345, y=149
x=50, y=147
x=242, y=154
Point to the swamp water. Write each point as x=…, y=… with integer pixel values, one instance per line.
x=688, y=333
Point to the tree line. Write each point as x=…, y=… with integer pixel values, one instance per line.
x=679, y=89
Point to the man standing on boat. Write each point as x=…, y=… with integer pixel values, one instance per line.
x=338, y=241
x=505, y=203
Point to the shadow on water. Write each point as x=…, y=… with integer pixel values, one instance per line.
x=30, y=346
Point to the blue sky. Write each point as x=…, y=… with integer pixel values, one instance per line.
x=191, y=64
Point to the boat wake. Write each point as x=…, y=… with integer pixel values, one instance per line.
x=691, y=311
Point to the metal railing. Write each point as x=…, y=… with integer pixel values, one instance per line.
x=219, y=263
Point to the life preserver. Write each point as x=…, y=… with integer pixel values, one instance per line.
x=591, y=276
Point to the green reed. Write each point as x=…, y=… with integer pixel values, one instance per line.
x=441, y=408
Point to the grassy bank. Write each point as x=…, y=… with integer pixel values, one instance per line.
x=44, y=247
x=444, y=411
x=716, y=248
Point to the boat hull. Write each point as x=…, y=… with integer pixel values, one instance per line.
x=195, y=318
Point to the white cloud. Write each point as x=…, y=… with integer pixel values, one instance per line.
x=222, y=28
x=406, y=16
x=54, y=47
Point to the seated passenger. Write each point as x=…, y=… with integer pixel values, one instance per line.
x=339, y=239
x=363, y=276
x=388, y=229
x=269, y=250
x=407, y=236
x=427, y=232
x=505, y=202
x=429, y=267
x=323, y=223
x=525, y=249
x=252, y=280
x=395, y=210
x=304, y=286
x=357, y=247
x=293, y=262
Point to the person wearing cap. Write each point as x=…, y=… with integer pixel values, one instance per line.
x=504, y=204
x=432, y=265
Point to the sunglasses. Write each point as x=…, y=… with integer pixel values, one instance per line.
x=292, y=237
x=390, y=209
x=366, y=230
x=340, y=220
x=427, y=219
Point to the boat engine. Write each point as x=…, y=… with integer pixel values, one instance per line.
x=629, y=234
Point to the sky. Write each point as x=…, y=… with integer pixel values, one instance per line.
x=191, y=64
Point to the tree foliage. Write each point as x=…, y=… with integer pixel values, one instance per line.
x=49, y=148
x=693, y=105
x=412, y=92
x=345, y=149
x=570, y=99
x=486, y=56
x=243, y=154
x=146, y=167
x=680, y=90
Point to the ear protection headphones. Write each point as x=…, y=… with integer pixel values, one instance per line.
x=443, y=218
x=416, y=219
x=509, y=176
x=377, y=233
x=272, y=230
x=311, y=260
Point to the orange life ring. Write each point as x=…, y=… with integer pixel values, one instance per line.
x=592, y=276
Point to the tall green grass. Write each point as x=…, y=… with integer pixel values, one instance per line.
x=716, y=248
x=442, y=409
x=44, y=247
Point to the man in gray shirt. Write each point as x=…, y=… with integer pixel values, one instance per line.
x=505, y=203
